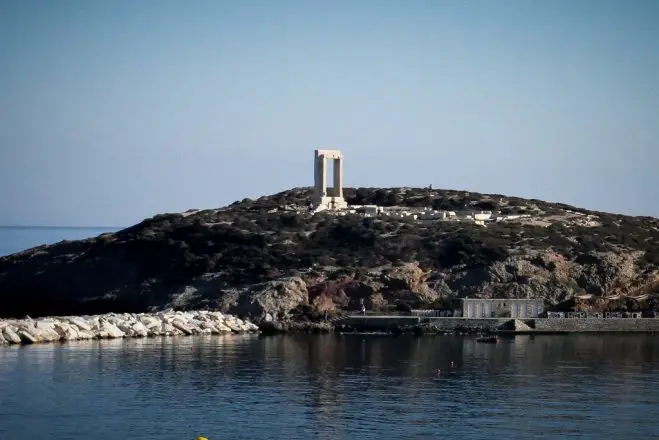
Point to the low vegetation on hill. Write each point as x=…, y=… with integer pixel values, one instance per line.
x=274, y=258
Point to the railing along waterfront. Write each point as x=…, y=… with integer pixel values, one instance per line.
x=457, y=313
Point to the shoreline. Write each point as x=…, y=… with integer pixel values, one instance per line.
x=120, y=325
x=202, y=322
x=460, y=325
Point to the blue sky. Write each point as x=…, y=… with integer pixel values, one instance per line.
x=111, y=112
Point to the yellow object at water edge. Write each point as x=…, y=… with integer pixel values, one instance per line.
x=201, y=438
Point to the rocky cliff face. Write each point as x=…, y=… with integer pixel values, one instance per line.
x=272, y=259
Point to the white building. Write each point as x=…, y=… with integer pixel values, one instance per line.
x=488, y=308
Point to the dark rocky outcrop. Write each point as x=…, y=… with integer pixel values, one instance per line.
x=274, y=261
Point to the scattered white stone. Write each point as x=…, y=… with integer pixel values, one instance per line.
x=82, y=334
x=217, y=316
x=11, y=336
x=45, y=331
x=27, y=337
x=139, y=330
x=109, y=330
x=251, y=327
x=167, y=329
x=225, y=328
x=67, y=331
x=80, y=323
x=149, y=321
x=180, y=325
x=232, y=325
x=112, y=326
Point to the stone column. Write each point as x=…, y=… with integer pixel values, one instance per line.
x=513, y=310
x=322, y=169
x=534, y=309
x=319, y=177
x=488, y=310
x=338, y=177
x=479, y=310
x=315, y=176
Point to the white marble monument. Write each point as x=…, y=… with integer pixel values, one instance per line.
x=323, y=197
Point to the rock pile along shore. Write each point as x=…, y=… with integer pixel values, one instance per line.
x=120, y=325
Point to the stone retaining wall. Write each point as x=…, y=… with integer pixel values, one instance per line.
x=535, y=325
x=429, y=324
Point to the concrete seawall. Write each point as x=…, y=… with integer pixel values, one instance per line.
x=605, y=325
x=396, y=324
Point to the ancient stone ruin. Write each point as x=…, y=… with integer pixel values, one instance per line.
x=323, y=197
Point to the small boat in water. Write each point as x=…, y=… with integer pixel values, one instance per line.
x=488, y=340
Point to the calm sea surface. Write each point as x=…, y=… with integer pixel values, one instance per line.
x=15, y=239
x=332, y=387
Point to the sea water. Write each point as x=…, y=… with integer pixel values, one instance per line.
x=332, y=387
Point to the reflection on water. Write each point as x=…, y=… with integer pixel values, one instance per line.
x=332, y=387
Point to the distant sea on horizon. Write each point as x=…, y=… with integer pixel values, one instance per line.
x=19, y=238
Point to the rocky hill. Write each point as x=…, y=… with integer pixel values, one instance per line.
x=272, y=258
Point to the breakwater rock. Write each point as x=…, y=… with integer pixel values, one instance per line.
x=120, y=325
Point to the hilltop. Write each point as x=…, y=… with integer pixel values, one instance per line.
x=274, y=259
